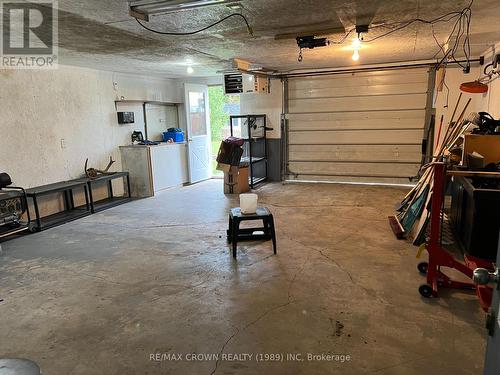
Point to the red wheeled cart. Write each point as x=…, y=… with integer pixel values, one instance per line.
x=440, y=257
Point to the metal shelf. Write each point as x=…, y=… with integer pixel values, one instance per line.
x=63, y=217
x=257, y=180
x=253, y=161
x=250, y=143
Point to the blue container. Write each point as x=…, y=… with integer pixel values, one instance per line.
x=176, y=136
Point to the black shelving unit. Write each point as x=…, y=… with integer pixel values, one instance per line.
x=252, y=128
x=111, y=200
x=70, y=212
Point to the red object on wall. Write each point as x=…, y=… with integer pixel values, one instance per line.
x=474, y=87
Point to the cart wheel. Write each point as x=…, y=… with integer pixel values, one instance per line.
x=423, y=267
x=426, y=291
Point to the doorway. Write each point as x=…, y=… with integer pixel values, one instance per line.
x=221, y=107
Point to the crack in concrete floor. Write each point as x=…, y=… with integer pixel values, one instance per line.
x=177, y=280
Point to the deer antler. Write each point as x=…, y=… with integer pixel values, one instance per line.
x=85, y=168
x=93, y=173
x=111, y=162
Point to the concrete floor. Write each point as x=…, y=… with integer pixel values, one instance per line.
x=103, y=294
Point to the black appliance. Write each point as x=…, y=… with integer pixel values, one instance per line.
x=126, y=117
x=474, y=214
x=13, y=207
x=137, y=136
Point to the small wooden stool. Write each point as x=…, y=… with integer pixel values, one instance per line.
x=235, y=234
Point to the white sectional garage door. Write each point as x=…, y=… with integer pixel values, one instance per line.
x=363, y=127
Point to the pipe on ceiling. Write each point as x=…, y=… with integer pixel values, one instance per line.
x=421, y=64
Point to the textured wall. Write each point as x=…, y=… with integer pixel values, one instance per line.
x=40, y=108
x=267, y=104
x=454, y=77
x=489, y=102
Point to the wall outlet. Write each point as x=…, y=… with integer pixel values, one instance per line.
x=63, y=143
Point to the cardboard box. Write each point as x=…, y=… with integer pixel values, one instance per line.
x=486, y=145
x=236, y=181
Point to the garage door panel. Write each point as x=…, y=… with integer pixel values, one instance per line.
x=405, y=88
x=353, y=115
x=359, y=79
x=362, y=127
x=382, y=153
x=354, y=169
x=352, y=179
x=354, y=137
x=295, y=125
x=391, y=102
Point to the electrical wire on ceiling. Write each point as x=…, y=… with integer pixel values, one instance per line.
x=459, y=36
x=459, y=32
x=441, y=49
x=249, y=28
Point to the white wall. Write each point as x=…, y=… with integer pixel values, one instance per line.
x=265, y=104
x=454, y=77
x=489, y=102
x=160, y=118
x=39, y=108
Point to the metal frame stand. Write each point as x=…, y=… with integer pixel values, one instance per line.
x=440, y=257
x=24, y=201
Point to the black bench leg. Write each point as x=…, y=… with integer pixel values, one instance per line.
x=230, y=231
x=37, y=214
x=235, y=230
x=129, y=192
x=268, y=226
x=273, y=233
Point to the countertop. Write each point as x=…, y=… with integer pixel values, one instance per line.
x=162, y=144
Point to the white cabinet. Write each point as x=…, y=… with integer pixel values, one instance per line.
x=155, y=168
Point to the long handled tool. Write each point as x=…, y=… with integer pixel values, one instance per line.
x=414, y=207
x=450, y=124
x=439, y=132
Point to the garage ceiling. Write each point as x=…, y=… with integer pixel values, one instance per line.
x=101, y=34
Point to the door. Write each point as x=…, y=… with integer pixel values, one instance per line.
x=198, y=132
x=361, y=127
x=492, y=364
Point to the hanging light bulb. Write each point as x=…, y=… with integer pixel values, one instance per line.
x=356, y=43
x=356, y=46
x=355, y=55
x=190, y=70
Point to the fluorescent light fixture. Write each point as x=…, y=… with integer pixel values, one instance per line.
x=143, y=9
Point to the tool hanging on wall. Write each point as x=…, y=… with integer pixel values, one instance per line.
x=480, y=86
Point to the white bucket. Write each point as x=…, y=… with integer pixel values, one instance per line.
x=248, y=203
